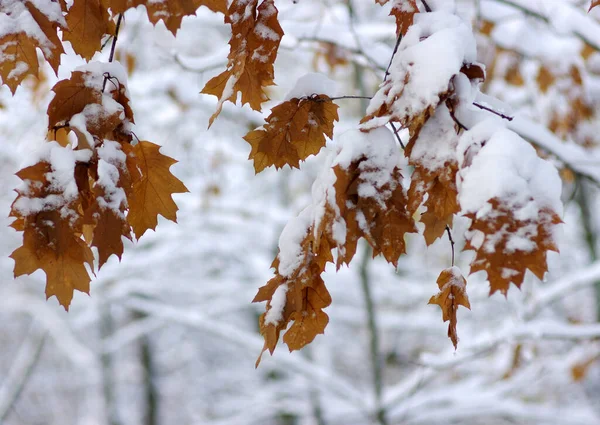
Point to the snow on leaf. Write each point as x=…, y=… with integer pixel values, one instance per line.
x=433, y=156
x=435, y=48
x=152, y=185
x=452, y=294
x=87, y=23
x=27, y=29
x=294, y=130
x=507, y=246
x=254, y=43
x=48, y=211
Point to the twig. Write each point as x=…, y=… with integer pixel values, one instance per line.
x=397, y=135
x=451, y=242
x=351, y=97
x=113, y=47
x=387, y=70
x=427, y=8
x=500, y=114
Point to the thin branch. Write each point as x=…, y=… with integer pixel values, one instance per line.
x=397, y=135
x=387, y=70
x=486, y=108
x=351, y=97
x=451, y=242
x=427, y=8
x=113, y=47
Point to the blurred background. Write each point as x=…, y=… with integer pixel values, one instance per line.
x=169, y=334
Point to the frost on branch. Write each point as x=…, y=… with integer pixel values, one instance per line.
x=513, y=199
x=94, y=189
x=359, y=194
x=255, y=38
x=453, y=293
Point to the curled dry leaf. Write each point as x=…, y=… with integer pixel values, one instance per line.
x=452, y=294
x=294, y=130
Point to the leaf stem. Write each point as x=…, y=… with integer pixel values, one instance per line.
x=111, y=57
x=451, y=242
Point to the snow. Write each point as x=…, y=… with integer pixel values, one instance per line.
x=310, y=84
x=275, y=314
x=512, y=172
x=430, y=54
x=62, y=188
x=291, y=254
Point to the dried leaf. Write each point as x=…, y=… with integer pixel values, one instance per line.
x=170, y=12
x=18, y=56
x=254, y=43
x=152, y=185
x=294, y=130
x=489, y=237
x=594, y=4
x=87, y=23
x=452, y=294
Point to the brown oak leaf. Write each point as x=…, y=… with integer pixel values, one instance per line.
x=152, y=185
x=170, y=12
x=294, y=130
x=18, y=56
x=452, y=294
x=51, y=237
x=254, y=43
x=88, y=22
x=490, y=236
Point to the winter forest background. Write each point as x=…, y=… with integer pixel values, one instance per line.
x=169, y=334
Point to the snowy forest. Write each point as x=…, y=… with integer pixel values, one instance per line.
x=300, y=212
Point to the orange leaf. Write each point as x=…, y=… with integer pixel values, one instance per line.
x=87, y=22
x=18, y=56
x=51, y=237
x=404, y=11
x=594, y=4
x=452, y=294
x=152, y=187
x=170, y=12
x=490, y=236
x=294, y=130
x=254, y=43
